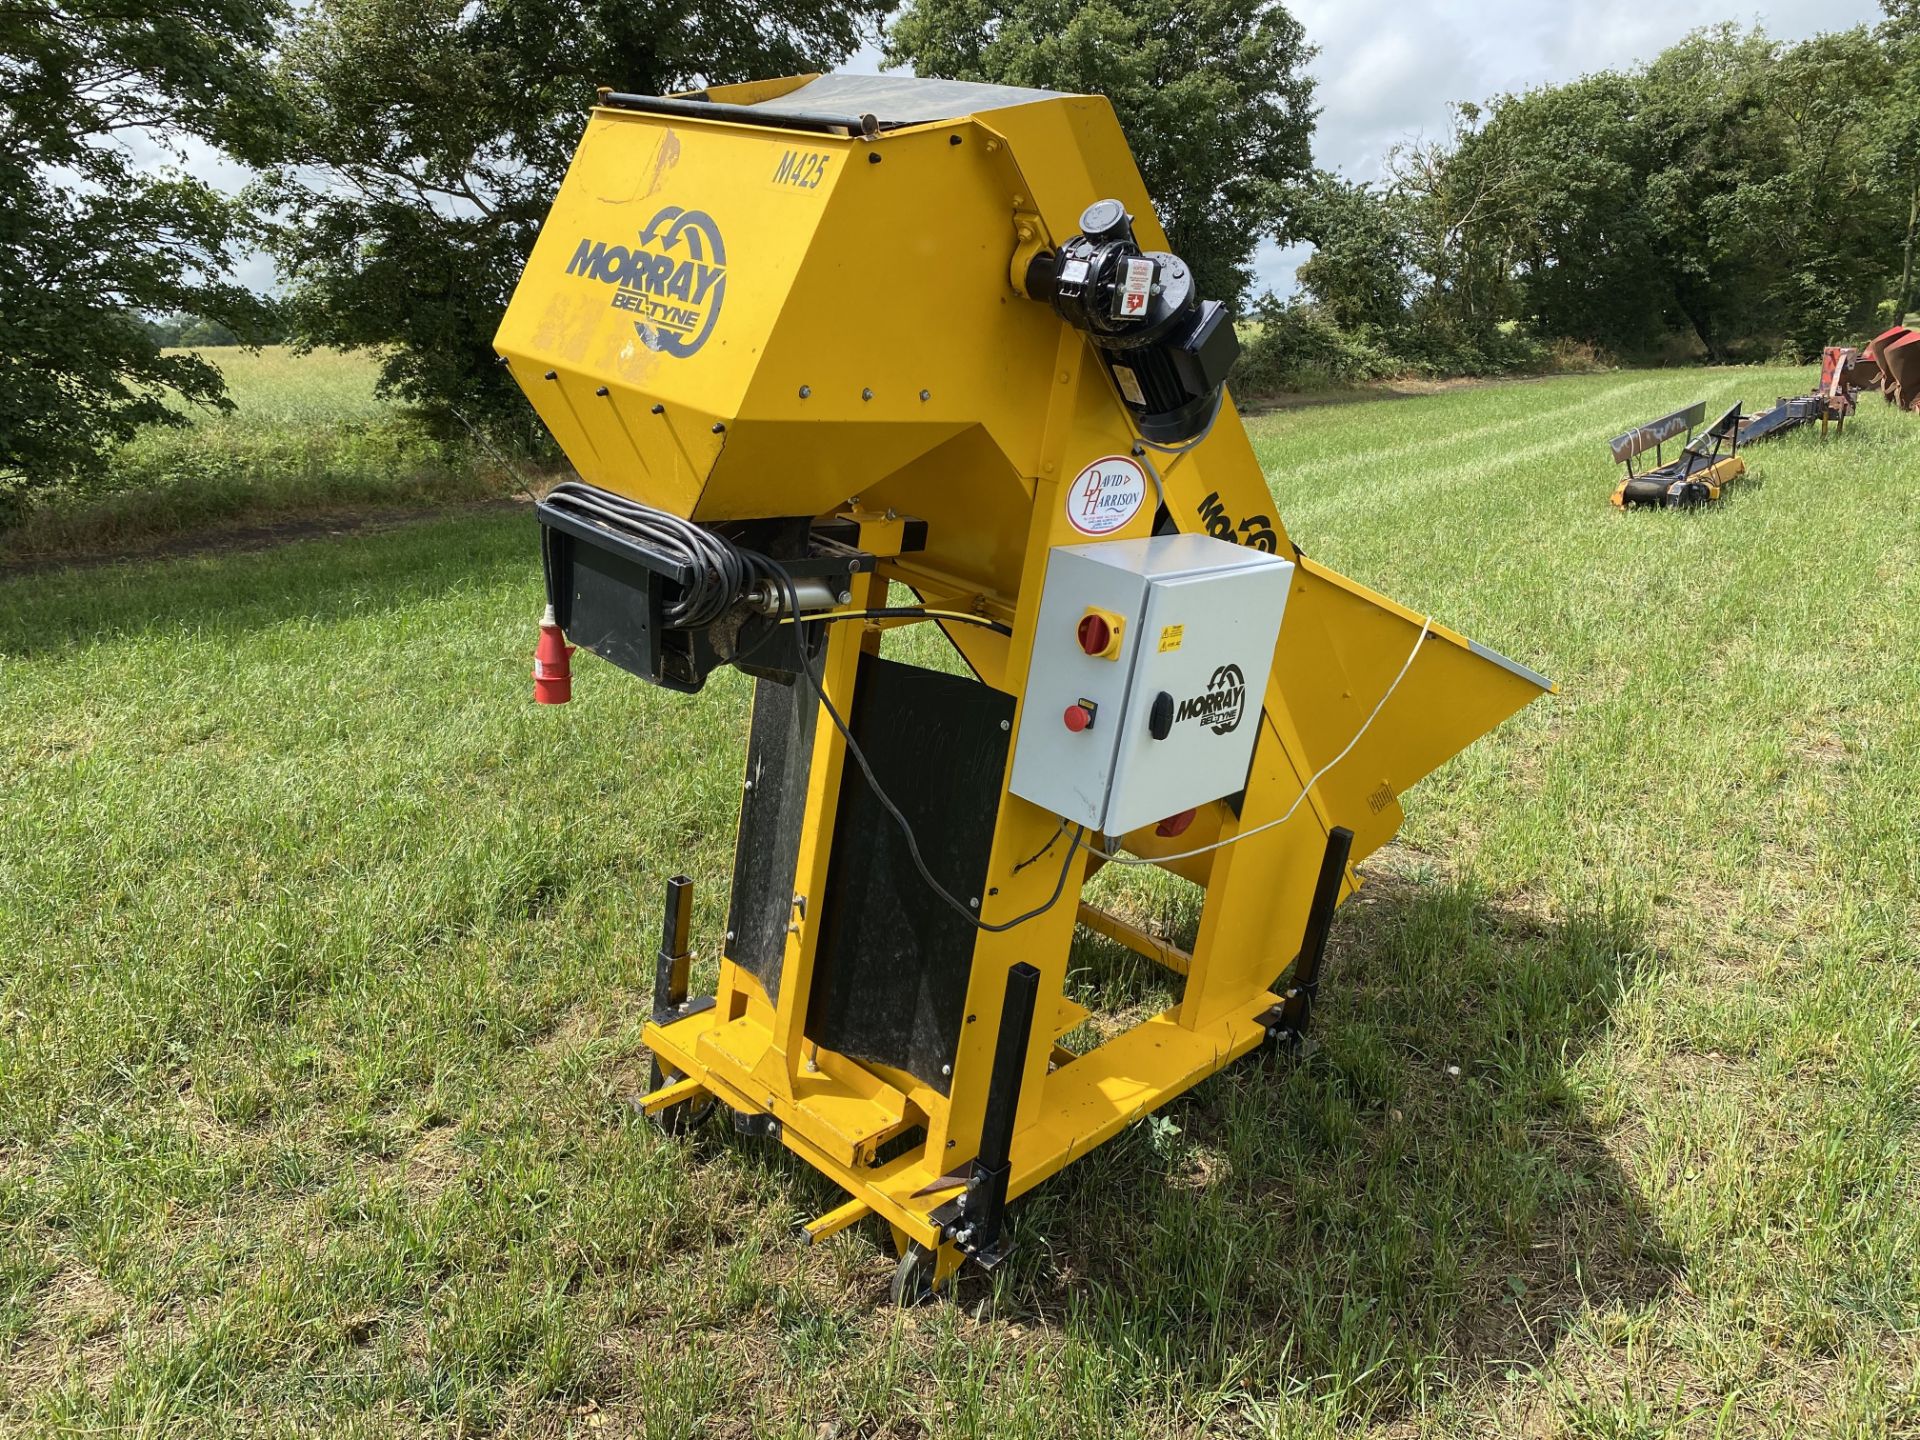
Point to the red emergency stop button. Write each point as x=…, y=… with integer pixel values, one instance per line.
x=1078, y=718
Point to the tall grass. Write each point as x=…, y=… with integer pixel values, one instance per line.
x=324, y=958
x=307, y=436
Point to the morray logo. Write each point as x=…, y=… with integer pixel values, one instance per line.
x=673, y=281
x=1256, y=531
x=1220, y=706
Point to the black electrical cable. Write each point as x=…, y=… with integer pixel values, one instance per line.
x=720, y=570
x=965, y=912
x=1039, y=854
x=909, y=612
x=721, y=574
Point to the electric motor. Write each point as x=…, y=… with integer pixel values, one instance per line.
x=1167, y=349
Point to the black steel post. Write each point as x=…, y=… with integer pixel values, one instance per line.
x=984, y=1206
x=1296, y=1007
x=670, y=969
x=671, y=966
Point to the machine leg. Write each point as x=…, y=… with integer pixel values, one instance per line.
x=978, y=1227
x=670, y=1000
x=670, y=970
x=1287, y=1023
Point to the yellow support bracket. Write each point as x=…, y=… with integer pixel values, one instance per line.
x=670, y=1095
x=835, y=1220
x=1102, y=922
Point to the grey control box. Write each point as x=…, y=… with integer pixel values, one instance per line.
x=1149, y=668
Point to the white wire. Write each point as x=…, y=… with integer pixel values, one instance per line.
x=1426, y=629
x=1141, y=445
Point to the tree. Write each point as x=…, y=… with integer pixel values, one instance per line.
x=89, y=241
x=1736, y=187
x=432, y=135
x=1539, y=206
x=1360, y=272
x=1899, y=135
x=1213, y=95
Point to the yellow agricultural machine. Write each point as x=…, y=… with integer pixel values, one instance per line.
x=834, y=355
x=1710, y=461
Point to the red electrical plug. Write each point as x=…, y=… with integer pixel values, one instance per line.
x=552, y=664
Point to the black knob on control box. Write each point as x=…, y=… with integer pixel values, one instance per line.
x=1160, y=717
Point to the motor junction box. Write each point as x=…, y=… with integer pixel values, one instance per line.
x=1150, y=659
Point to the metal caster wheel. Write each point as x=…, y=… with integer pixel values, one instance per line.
x=912, y=1278
x=679, y=1119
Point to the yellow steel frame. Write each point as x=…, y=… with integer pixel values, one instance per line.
x=962, y=403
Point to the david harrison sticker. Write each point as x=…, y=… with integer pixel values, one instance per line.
x=1106, y=495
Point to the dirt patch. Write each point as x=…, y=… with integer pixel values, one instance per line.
x=241, y=538
x=1409, y=388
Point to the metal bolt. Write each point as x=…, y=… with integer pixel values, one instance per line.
x=951, y=140
x=845, y=597
x=952, y=1143
x=659, y=409
x=794, y=928
x=892, y=514
x=602, y=391
x=946, y=1069
x=853, y=567
x=873, y=157
x=925, y=395
x=552, y=375
x=806, y=391
x=974, y=902
x=746, y=784
x=729, y=937
x=1006, y=724
x=866, y=394
x=800, y=903
x=719, y=428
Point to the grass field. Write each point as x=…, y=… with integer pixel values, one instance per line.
x=323, y=957
x=307, y=436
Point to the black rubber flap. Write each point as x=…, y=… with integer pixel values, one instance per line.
x=772, y=807
x=890, y=974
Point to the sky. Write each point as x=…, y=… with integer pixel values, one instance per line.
x=1388, y=69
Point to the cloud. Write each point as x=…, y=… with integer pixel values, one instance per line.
x=1388, y=70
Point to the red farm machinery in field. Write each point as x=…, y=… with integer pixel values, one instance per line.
x=1895, y=357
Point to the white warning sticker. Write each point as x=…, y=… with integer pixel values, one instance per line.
x=1136, y=285
x=1129, y=384
x=1106, y=495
